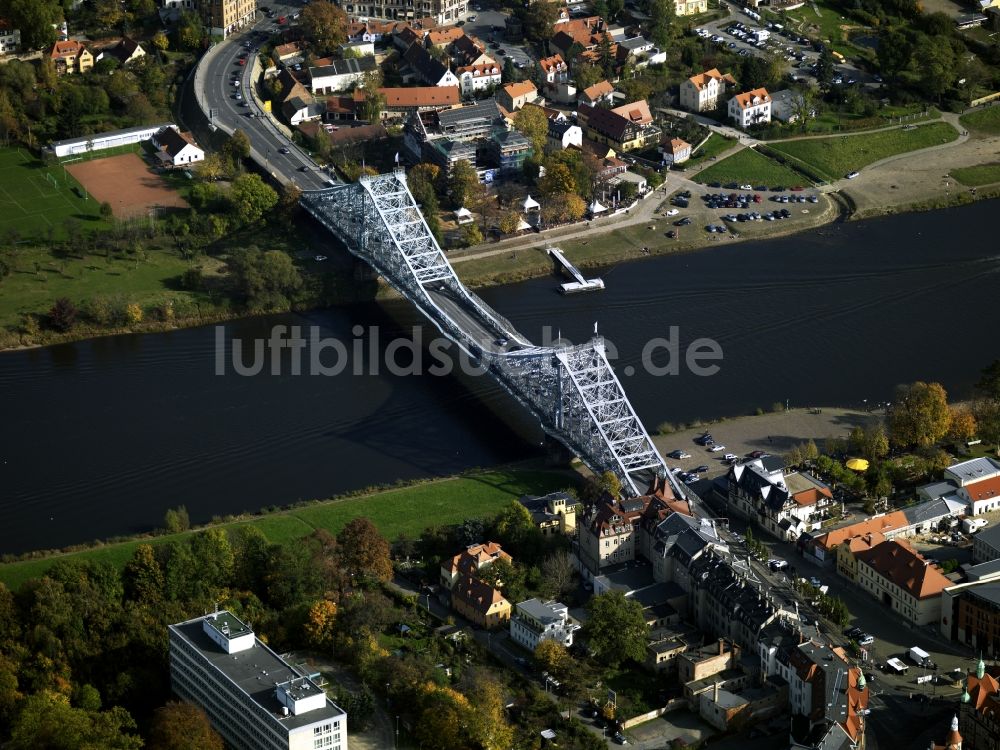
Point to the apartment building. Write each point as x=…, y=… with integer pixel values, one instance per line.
x=535, y=621
x=750, y=108
x=10, y=38
x=786, y=505
x=702, y=92
x=253, y=698
x=898, y=576
x=223, y=17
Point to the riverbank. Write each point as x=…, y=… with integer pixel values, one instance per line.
x=405, y=510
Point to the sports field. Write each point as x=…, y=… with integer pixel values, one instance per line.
x=126, y=183
x=35, y=198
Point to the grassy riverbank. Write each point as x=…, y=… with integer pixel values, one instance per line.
x=748, y=166
x=406, y=510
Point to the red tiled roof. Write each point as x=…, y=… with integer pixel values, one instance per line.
x=421, y=96
x=882, y=524
x=702, y=79
x=983, y=489
x=549, y=63
x=746, y=99
x=899, y=563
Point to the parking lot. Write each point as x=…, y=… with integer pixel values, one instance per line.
x=489, y=24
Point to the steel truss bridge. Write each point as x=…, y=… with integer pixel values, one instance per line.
x=572, y=390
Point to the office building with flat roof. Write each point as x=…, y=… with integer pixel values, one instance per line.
x=253, y=698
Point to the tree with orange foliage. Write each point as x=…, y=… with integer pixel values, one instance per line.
x=364, y=552
x=319, y=625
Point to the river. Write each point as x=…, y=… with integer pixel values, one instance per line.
x=100, y=437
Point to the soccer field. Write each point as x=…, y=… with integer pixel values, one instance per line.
x=35, y=198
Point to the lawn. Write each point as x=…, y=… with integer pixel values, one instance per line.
x=747, y=166
x=835, y=157
x=35, y=198
x=986, y=120
x=39, y=276
x=714, y=146
x=407, y=510
x=981, y=174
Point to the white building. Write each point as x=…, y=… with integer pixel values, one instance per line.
x=10, y=38
x=177, y=148
x=340, y=75
x=253, y=698
x=750, y=108
x=535, y=621
x=473, y=78
x=702, y=92
x=978, y=482
x=112, y=139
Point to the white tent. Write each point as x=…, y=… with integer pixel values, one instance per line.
x=522, y=225
x=463, y=216
x=530, y=204
x=596, y=208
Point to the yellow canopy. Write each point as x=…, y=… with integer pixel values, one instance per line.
x=857, y=464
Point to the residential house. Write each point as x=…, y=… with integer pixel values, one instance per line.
x=978, y=481
x=443, y=37
x=750, y=108
x=596, y=94
x=690, y=7
x=297, y=109
x=344, y=108
x=828, y=698
x=510, y=148
x=125, y=51
x=699, y=663
x=535, y=621
x=470, y=560
x=467, y=50
x=480, y=603
x=553, y=514
x=340, y=75
x=979, y=709
x=783, y=504
x=562, y=134
x=662, y=653
x=473, y=78
x=224, y=17
x=10, y=38
x=289, y=53
x=675, y=151
x=787, y=105
x=176, y=148
x=899, y=577
x=702, y=92
x=846, y=552
x=407, y=100
x=554, y=69
x=370, y=30
x=625, y=129
x=513, y=96
x=71, y=56
x=588, y=33
x=427, y=68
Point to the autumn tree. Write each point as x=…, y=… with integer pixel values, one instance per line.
x=509, y=222
x=552, y=657
x=143, y=576
x=611, y=484
x=616, y=630
x=963, y=424
x=363, y=551
x=182, y=726
x=237, y=146
x=487, y=723
x=919, y=414
x=531, y=122
x=35, y=20
x=320, y=624
x=47, y=720
x=463, y=184
x=557, y=180
x=324, y=26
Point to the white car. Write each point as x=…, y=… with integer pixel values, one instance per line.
x=672, y=212
x=729, y=457
x=320, y=257
x=717, y=448
x=852, y=175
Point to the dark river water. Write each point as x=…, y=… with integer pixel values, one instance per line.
x=100, y=437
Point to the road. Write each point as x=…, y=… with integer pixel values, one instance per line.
x=214, y=87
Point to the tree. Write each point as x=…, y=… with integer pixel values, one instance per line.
x=488, y=726
x=63, y=315
x=987, y=414
x=324, y=26
x=611, y=484
x=558, y=575
x=874, y=442
x=160, y=41
x=213, y=557
x=509, y=222
x=364, y=552
x=108, y=13
x=237, y=146
x=251, y=198
x=320, y=624
x=472, y=235
x=989, y=383
x=919, y=414
x=514, y=524
x=963, y=424
x=538, y=20
x=895, y=51
x=143, y=576
x=35, y=19
x=824, y=69
x=935, y=61
x=532, y=123
x=553, y=657
x=557, y=179
x=463, y=183
x=265, y=279
x=176, y=520
x=48, y=721
x=182, y=726
x=616, y=630
x=663, y=14
x=507, y=577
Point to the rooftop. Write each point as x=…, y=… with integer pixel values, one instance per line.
x=898, y=562
x=257, y=672
x=228, y=625
x=974, y=470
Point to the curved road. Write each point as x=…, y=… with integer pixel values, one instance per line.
x=214, y=89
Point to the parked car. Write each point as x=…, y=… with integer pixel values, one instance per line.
x=866, y=640
x=852, y=175
x=730, y=457
x=700, y=469
x=678, y=454
x=716, y=448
